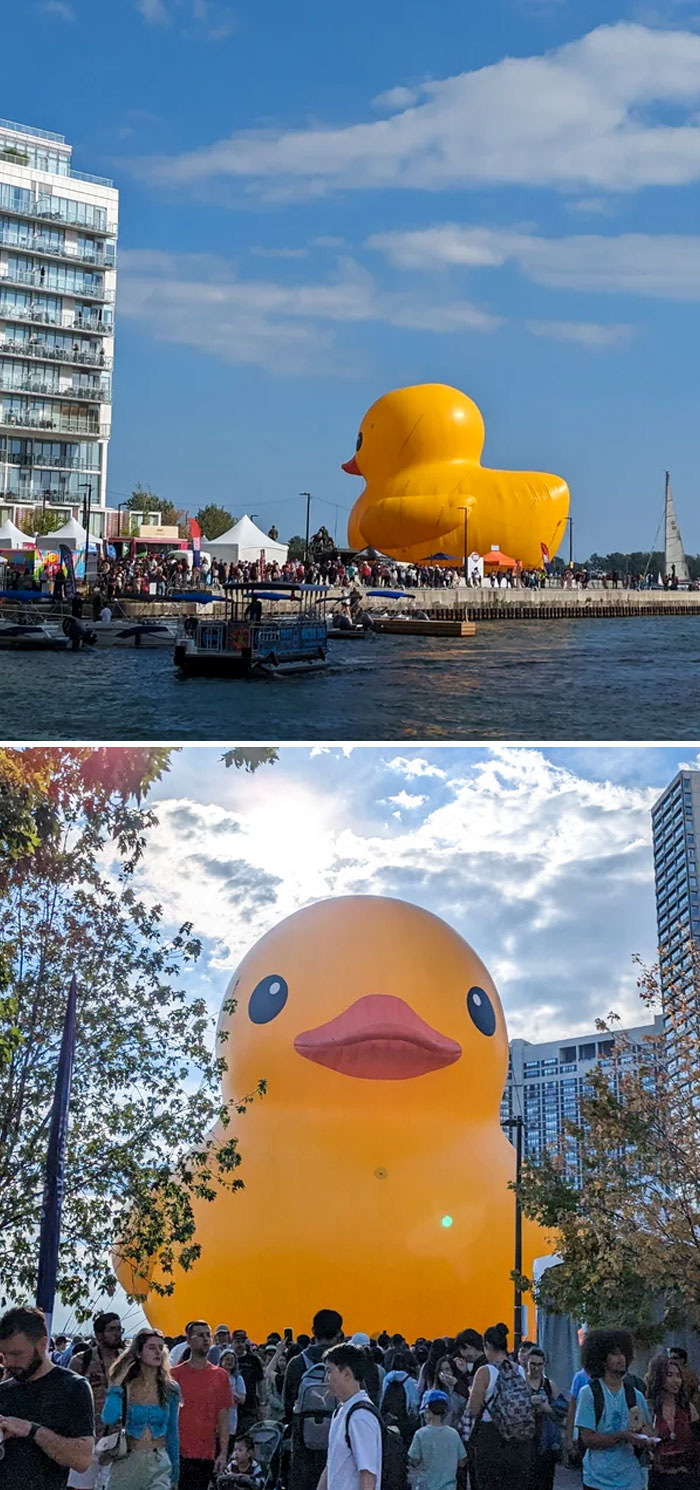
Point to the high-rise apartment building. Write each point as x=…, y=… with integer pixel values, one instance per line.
x=58, y=232
x=675, y=824
x=546, y=1082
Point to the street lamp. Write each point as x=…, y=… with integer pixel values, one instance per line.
x=518, y=1124
x=570, y=522
x=87, y=505
x=306, y=494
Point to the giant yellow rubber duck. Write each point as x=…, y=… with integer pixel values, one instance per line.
x=376, y=1173
x=419, y=450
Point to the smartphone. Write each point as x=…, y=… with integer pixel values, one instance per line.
x=289, y=1334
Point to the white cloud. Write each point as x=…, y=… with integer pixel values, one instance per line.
x=59, y=8
x=153, y=11
x=586, y=333
x=549, y=875
x=666, y=265
x=415, y=765
x=590, y=114
x=396, y=98
x=197, y=300
x=407, y=801
x=203, y=18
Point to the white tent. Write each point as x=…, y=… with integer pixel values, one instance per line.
x=71, y=535
x=244, y=543
x=12, y=536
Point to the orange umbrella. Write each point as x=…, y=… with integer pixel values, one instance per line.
x=494, y=559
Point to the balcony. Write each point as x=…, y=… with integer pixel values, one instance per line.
x=41, y=352
x=55, y=463
x=38, y=243
x=39, y=213
x=32, y=315
x=95, y=395
x=66, y=424
x=37, y=280
x=28, y=129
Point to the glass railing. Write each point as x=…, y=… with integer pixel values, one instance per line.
x=67, y=321
x=28, y=129
x=69, y=424
x=38, y=243
x=88, y=395
x=38, y=281
x=41, y=213
x=41, y=352
x=30, y=461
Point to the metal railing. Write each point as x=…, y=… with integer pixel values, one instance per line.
x=51, y=214
x=62, y=423
x=66, y=321
x=38, y=243
x=38, y=281
x=46, y=390
x=42, y=463
x=27, y=129
x=85, y=176
x=42, y=352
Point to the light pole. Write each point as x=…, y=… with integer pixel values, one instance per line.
x=465, y=510
x=570, y=522
x=86, y=512
x=518, y=1124
x=306, y=494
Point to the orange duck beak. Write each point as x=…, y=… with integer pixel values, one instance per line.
x=351, y=467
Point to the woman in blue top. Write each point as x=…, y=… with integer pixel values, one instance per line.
x=144, y=1395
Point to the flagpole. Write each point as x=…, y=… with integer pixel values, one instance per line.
x=50, y=1233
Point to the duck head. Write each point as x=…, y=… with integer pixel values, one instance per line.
x=413, y=426
x=349, y=998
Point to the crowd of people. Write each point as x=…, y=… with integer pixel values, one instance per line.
x=324, y=1412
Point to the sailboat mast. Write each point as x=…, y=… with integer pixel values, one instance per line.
x=675, y=562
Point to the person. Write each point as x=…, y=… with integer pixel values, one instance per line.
x=222, y=1342
x=355, y=1442
x=204, y=1422
x=609, y=1425
x=106, y=612
x=274, y=1378
x=307, y=1463
x=371, y=1380
x=436, y=1451
x=143, y=1395
x=399, y=1402
x=499, y=1462
x=244, y=1472
x=679, y=1354
x=94, y=1363
x=544, y=1393
x=467, y=1357
x=674, y=1461
x=250, y=1368
x=446, y=1381
x=47, y=1417
x=227, y=1361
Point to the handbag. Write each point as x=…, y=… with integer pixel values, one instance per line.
x=114, y=1445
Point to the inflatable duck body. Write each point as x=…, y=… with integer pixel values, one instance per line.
x=419, y=451
x=375, y=1170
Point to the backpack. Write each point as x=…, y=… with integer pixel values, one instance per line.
x=630, y=1399
x=314, y=1406
x=396, y=1412
x=511, y=1407
x=394, y=1452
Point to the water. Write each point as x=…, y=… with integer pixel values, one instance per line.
x=630, y=679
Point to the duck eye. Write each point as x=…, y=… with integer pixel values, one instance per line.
x=267, y=999
x=481, y=1011
x=359, y=442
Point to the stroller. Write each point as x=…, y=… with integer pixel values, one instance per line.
x=267, y=1436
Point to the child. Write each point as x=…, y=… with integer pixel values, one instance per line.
x=243, y=1471
x=437, y=1451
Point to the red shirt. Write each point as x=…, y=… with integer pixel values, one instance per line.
x=204, y=1392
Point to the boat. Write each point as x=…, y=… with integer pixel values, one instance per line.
x=24, y=626
x=675, y=562
x=136, y=633
x=253, y=637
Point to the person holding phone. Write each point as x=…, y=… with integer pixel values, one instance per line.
x=611, y=1415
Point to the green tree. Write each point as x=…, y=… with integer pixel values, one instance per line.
x=214, y=520
x=74, y=826
x=629, y=1233
x=144, y=500
x=296, y=547
x=42, y=522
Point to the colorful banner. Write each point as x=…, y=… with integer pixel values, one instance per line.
x=67, y=562
x=50, y=1233
x=196, y=536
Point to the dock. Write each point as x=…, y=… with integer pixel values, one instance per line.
x=403, y=626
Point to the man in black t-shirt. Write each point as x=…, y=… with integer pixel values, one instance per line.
x=47, y=1417
x=251, y=1370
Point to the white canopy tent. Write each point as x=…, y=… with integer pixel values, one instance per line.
x=72, y=535
x=244, y=543
x=12, y=537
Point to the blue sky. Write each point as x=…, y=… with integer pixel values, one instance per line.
x=541, y=858
x=320, y=203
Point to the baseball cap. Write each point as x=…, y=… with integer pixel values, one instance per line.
x=359, y=1338
x=435, y=1396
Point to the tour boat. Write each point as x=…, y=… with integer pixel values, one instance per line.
x=253, y=636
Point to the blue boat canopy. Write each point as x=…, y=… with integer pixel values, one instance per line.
x=35, y=595
x=389, y=595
